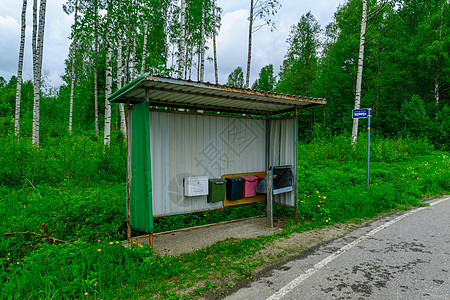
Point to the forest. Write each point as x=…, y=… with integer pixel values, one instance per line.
x=405, y=79
x=63, y=162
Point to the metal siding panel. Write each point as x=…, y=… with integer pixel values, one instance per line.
x=282, y=152
x=191, y=145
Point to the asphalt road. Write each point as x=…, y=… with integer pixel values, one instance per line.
x=402, y=256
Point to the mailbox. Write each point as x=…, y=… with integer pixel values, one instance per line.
x=250, y=183
x=217, y=189
x=235, y=186
x=196, y=186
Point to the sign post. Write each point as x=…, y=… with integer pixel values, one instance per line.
x=364, y=113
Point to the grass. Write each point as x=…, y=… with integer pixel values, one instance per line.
x=83, y=211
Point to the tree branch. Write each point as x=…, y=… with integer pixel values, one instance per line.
x=48, y=238
x=378, y=35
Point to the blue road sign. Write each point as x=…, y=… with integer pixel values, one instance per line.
x=365, y=113
x=361, y=113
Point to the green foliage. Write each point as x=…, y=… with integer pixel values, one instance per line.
x=266, y=81
x=406, y=58
x=236, y=78
x=70, y=271
x=300, y=66
x=440, y=129
x=415, y=120
x=73, y=158
x=332, y=177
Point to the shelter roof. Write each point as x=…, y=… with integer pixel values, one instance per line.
x=178, y=93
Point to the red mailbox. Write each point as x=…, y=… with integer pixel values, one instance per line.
x=250, y=183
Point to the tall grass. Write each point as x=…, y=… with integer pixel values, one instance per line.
x=332, y=177
x=73, y=189
x=74, y=158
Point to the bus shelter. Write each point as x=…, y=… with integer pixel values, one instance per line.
x=184, y=138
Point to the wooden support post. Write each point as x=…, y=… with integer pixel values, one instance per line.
x=150, y=240
x=270, y=197
x=269, y=176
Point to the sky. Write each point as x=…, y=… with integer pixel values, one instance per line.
x=269, y=47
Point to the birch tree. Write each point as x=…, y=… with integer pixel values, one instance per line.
x=216, y=72
x=37, y=45
x=19, y=69
x=108, y=86
x=119, y=86
x=67, y=9
x=360, y=69
x=181, y=59
x=144, y=48
x=202, y=43
x=433, y=40
x=259, y=9
x=96, y=21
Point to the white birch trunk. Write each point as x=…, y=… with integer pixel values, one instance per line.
x=216, y=72
x=166, y=13
x=249, y=57
x=436, y=74
x=37, y=63
x=144, y=47
x=72, y=81
x=181, y=61
x=123, y=126
x=436, y=87
x=108, y=83
x=202, y=45
x=188, y=62
x=198, y=64
x=95, y=72
x=119, y=64
x=360, y=70
x=133, y=62
x=19, y=70
x=127, y=60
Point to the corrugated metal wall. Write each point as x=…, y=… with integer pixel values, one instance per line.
x=283, y=152
x=185, y=145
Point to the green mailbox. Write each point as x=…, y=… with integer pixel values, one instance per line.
x=216, y=188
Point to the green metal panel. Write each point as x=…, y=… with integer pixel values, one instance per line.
x=141, y=213
x=117, y=94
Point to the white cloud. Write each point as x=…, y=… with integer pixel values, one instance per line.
x=9, y=44
x=56, y=44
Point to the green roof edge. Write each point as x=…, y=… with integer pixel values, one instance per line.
x=127, y=87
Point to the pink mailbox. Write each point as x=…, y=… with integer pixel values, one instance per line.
x=250, y=183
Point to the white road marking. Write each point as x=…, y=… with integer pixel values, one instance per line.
x=294, y=283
